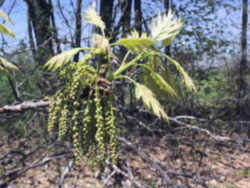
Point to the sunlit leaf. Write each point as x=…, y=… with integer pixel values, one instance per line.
x=149, y=100
x=6, y=66
x=137, y=45
x=186, y=79
x=6, y=31
x=61, y=59
x=5, y=17
x=93, y=18
x=165, y=28
x=159, y=82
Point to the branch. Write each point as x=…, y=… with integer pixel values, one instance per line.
x=40, y=162
x=27, y=105
x=158, y=167
x=215, y=137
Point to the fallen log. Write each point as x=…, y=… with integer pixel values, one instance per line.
x=27, y=105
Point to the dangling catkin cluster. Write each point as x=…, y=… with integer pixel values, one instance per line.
x=76, y=137
x=86, y=126
x=112, y=130
x=63, y=122
x=100, y=132
x=54, y=110
x=85, y=113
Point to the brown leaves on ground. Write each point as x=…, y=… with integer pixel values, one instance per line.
x=218, y=165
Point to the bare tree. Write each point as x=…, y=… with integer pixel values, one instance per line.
x=78, y=27
x=106, y=12
x=167, y=5
x=243, y=63
x=2, y=2
x=126, y=16
x=39, y=15
x=138, y=16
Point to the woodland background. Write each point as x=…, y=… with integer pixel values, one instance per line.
x=205, y=144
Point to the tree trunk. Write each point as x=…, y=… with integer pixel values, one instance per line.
x=242, y=85
x=2, y=2
x=167, y=5
x=78, y=27
x=106, y=12
x=138, y=16
x=39, y=12
x=126, y=16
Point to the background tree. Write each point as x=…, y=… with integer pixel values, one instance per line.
x=242, y=85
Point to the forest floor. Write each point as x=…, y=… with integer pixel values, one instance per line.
x=219, y=165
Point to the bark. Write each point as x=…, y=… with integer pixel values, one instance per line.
x=242, y=85
x=126, y=16
x=243, y=63
x=138, y=16
x=40, y=12
x=167, y=5
x=106, y=12
x=26, y=105
x=2, y=2
x=78, y=27
x=58, y=45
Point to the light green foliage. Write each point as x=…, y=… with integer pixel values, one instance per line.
x=5, y=66
x=215, y=85
x=59, y=60
x=142, y=92
x=93, y=18
x=87, y=97
x=165, y=28
x=4, y=29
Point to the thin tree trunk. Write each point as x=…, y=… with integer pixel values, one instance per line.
x=78, y=27
x=31, y=38
x=126, y=17
x=39, y=15
x=138, y=16
x=58, y=45
x=2, y=2
x=167, y=5
x=106, y=12
x=243, y=63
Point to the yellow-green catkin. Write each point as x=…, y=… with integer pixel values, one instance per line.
x=76, y=135
x=63, y=122
x=54, y=109
x=112, y=129
x=86, y=123
x=100, y=132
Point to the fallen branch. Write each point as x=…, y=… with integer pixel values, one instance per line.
x=27, y=105
x=66, y=171
x=152, y=164
x=40, y=162
x=158, y=167
x=215, y=137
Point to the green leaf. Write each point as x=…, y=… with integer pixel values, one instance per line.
x=136, y=43
x=125, y=67
x=61, y=59
x=6, y=66
x=186, y=79
x=164, y=28
x=6, y=31
x=159, y=85
x=149, y=100
x=5, y=17
x=94, y=19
